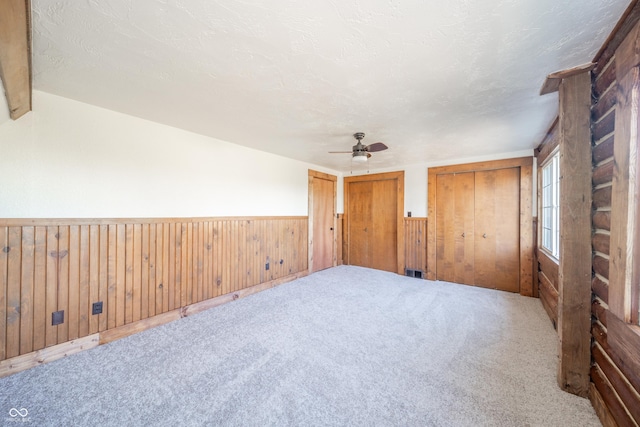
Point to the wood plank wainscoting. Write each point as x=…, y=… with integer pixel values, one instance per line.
x=415, y=245
x=145, y=272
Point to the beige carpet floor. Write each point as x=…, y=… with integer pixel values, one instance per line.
x=345, y=346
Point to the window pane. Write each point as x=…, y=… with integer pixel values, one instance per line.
x=547, y=218
x=546, y=238
x=550, y=202
x=546, y=197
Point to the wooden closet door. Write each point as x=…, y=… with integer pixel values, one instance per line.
x=464, y=228
x=384, y=233
x=445, y=245
x=373, y=224
x=454, y=229
x=360, y=212
x=497, y=229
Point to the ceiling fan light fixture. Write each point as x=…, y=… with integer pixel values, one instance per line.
x=360, y=157
x=360, y=152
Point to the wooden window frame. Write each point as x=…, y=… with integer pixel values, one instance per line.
x=526, y=216
x=548, y=265
x=554, y=256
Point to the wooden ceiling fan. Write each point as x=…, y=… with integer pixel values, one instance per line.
x=361, y=152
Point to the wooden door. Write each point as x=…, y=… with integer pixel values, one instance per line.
x=464, y=228
x=497, y=229
x=373, y=207
x=360, y=215
x=502, y=200
x=322, y=220
x=384, y=232
x=455, y=227
x=323, y=223
x=445, y=227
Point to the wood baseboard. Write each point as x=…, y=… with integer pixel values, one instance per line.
x=46, y=355
x=139, y=326
x=223, y=299
x=49, y=354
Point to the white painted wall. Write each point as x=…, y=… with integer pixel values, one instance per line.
x=67, y=159
x=416, y=177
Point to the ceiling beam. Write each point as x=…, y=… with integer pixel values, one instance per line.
x=552, y=83
x=15, y=55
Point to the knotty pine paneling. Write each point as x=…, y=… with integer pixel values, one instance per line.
x=415, y=244
x=138, y=268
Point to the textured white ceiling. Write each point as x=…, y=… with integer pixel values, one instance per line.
x=435, y=81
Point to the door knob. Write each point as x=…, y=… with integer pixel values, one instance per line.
x=484, y=235
x=462, y=234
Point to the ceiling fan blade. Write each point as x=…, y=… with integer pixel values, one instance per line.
x=378, y=146
x=340, y=152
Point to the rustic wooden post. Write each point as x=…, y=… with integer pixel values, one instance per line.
x=15, y=55
x=574, y=301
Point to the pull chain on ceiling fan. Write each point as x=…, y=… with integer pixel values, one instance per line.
x=360, y=152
